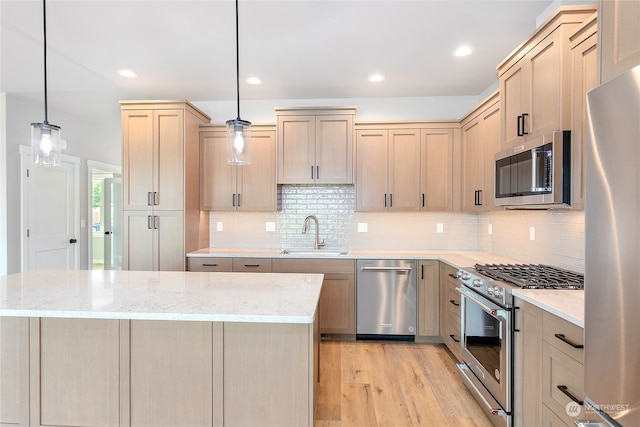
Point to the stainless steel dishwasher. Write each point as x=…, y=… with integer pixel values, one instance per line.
x=386, y=299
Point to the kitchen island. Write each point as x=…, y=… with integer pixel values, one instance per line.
x=158, y=348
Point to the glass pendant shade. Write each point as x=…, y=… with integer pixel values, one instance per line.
x=238, y=142
x=46, y=143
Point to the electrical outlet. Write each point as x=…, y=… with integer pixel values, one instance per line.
x=270, y=226
x=439, y=228
x=219, y=226
x=532, y=233
x=490, y=229
x=363, y=227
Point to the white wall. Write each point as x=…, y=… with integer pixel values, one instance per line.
x=90, y=138
x=3, y=186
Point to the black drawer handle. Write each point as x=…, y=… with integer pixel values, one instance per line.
x=453, y=337
x=252, y=265
x=209, y=265
x=454, y=276
x=565, y=390
x=452, y=301
x=562, y=338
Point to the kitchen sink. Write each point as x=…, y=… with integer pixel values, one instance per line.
x=315, y=252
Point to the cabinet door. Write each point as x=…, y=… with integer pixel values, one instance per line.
x=404, y=170
x=428, y=299
x=138, y=159
x=217, y=177
x=546, y=82
x=169, y=169
x=527, y=364
x=490, y=146
x=585, y=67
x=371, y=170
x=169, y=241
x=436, y=167
x=472, y=167
x=514, y=95
x=257, y=181
x=334, y=149
x=14, y=366
x=296, y=149
x=138, y=238
x=211, y=264
x=619, y=28
x=337, y=306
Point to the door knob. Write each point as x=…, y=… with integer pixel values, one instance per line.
x=73, y=241
x=106, y=233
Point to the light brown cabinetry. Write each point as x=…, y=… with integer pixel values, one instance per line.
x=225, y=187
x=14, y=371
x=428, y=299
x=219, y=264
x=161, y=177
x=535, y=80
x=252, y=265
x=527, y=368
x=315, y=145
x=388, y=170
x=585, y=77
x=480, y=140
x=337, y=306
x=436, y=169
x=619, y=36
x=450, y=309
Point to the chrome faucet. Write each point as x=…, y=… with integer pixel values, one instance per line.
x=319, y=243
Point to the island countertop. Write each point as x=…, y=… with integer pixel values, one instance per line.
x=162, y=295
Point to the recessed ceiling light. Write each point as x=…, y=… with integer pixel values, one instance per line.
x=376, y=78
x=127, y=73
x=463, y=51
x=254, y=81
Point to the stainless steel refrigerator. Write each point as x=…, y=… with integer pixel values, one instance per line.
x=612, y=244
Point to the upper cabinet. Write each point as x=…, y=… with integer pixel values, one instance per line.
x=315, y=145
x=404, y=166
x=225, y=187
x=585, y=77
x=480, y=143
x=619, y=36
x=535, y=80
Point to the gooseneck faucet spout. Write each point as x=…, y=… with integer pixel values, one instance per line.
x=319, y=243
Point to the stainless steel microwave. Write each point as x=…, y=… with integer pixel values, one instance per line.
x=535, y=175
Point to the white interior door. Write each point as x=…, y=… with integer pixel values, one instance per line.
x=50, y=203
x=112, y=201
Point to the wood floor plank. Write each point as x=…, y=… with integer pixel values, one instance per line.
x=370, y=383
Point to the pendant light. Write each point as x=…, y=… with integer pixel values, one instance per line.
x=238, y=130
x=45, y=137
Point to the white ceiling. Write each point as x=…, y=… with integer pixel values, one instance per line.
x=300, y=49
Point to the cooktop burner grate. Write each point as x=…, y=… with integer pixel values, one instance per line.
x=533, y=276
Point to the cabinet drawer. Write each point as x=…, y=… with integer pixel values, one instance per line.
x=563, y=335
x=221, y=264
x=453, y=298
x=453, y=335
x=561, y=371
x=256, y=265
x=550, y=419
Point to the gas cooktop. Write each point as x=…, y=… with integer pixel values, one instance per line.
x=532, y=276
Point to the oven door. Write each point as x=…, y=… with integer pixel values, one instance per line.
x=486, y=346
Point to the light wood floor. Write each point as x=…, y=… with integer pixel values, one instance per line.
x=369, y=383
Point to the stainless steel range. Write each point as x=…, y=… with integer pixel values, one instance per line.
x=487, y=328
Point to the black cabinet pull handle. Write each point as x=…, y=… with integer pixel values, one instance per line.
x=390, y=200
x=317, y=172
x=423, y=200
x=524, y=132
x=453, y=337
x=233, y=200
x=155, y=198
x=520, y=126
x=148, y=198
x=252, y=265
x=565, y=390
x=238, y=199
x=453, y=275
x=452, y=301
x=385, y=200
x=562, y=338
x=209, y=265
x=311, y=172
x=422, y=272
x=149, y=222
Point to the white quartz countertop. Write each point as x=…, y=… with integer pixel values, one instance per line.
x=459, y=259
x=565, y=303
x=162, y=295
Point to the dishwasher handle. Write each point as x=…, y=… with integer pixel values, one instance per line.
x=385, y=268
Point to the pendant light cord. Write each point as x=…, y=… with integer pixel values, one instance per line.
x=44, y=16
x=237, y=64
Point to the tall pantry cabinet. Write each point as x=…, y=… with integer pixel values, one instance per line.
x=162, y=220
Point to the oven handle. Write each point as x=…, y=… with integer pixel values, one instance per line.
x=493, y=311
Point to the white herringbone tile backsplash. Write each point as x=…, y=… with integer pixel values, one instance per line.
x=559, y=236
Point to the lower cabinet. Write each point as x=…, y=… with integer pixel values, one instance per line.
x=428, y=299
x=337, y=306
x=450, y=309
x=229, y=264
x=109, y=372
